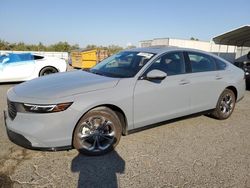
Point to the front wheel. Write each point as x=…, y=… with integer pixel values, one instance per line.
x=225, y=105
x=97, y=132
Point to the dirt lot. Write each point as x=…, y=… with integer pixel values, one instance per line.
x=192, y=152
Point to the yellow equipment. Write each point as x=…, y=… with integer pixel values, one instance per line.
x=88, y=58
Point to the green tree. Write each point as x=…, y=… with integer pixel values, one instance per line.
x=192, y=38
x=41, y=47
x=114, y=49
x=91, y=46
x=20, y=46
x=60, y=47
x=75, y=47
x=4, y=45
x=57, y=47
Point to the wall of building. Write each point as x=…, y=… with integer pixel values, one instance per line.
x=224, y=51
x=241, y=51
x=190, y=44
x=145, y=43
x=202, y=45
x=160, y=41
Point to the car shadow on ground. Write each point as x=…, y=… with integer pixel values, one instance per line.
x=10, y=83
x=98, y=171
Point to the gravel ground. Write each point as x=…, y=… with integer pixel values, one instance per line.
x=191, y=152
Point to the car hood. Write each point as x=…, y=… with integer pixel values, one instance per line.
x=64, y=84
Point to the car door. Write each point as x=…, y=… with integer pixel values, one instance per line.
x=206, y=83
x=17, y=68
x=159, y=100
x=3, y=59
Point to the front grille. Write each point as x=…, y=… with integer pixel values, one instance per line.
x=11, y=109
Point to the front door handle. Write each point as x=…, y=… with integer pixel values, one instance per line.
x=184, y=82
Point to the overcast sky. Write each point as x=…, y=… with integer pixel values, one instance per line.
x=120, y=22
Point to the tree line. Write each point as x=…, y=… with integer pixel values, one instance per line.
x=57, y=47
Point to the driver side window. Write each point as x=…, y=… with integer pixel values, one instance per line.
x=171, y=63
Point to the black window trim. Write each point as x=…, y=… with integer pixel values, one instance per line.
x=187, y=62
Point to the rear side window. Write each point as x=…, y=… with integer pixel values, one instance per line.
x=201, y=62
x=220, y=65
x=36, y=57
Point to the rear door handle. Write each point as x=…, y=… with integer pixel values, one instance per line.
x=184, y=82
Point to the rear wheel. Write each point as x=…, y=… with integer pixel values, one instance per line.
x=97, y=132
x=48, y=70
x=225, y=105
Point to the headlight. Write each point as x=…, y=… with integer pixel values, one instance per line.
x=40, y=108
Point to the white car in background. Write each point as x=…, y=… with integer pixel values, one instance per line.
x=26, y=66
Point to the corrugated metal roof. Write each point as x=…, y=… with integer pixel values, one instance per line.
x=236, y=37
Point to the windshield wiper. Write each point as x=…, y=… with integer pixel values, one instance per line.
x=112, y=75
x=98, y=73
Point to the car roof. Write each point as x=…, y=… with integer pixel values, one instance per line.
x=154, y=49
x=163, y=49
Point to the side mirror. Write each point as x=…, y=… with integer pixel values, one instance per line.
x=156, y=75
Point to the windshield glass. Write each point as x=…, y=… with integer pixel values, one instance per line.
x=122, y=65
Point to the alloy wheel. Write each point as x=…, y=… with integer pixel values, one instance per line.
x=227, y=104
x=96, y=134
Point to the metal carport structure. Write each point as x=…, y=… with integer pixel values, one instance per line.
x=239, y=37
x=236, y=37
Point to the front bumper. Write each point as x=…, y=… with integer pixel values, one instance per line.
x=16, y=138
x=37, y=134
x=20, y=140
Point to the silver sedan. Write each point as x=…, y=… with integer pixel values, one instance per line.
x=90, y=110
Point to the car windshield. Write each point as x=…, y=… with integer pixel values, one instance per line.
x=12, y=58
x=125, y=64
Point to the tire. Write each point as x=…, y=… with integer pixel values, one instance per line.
x=48, y=70
x=98, y=132
x=225, y=105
